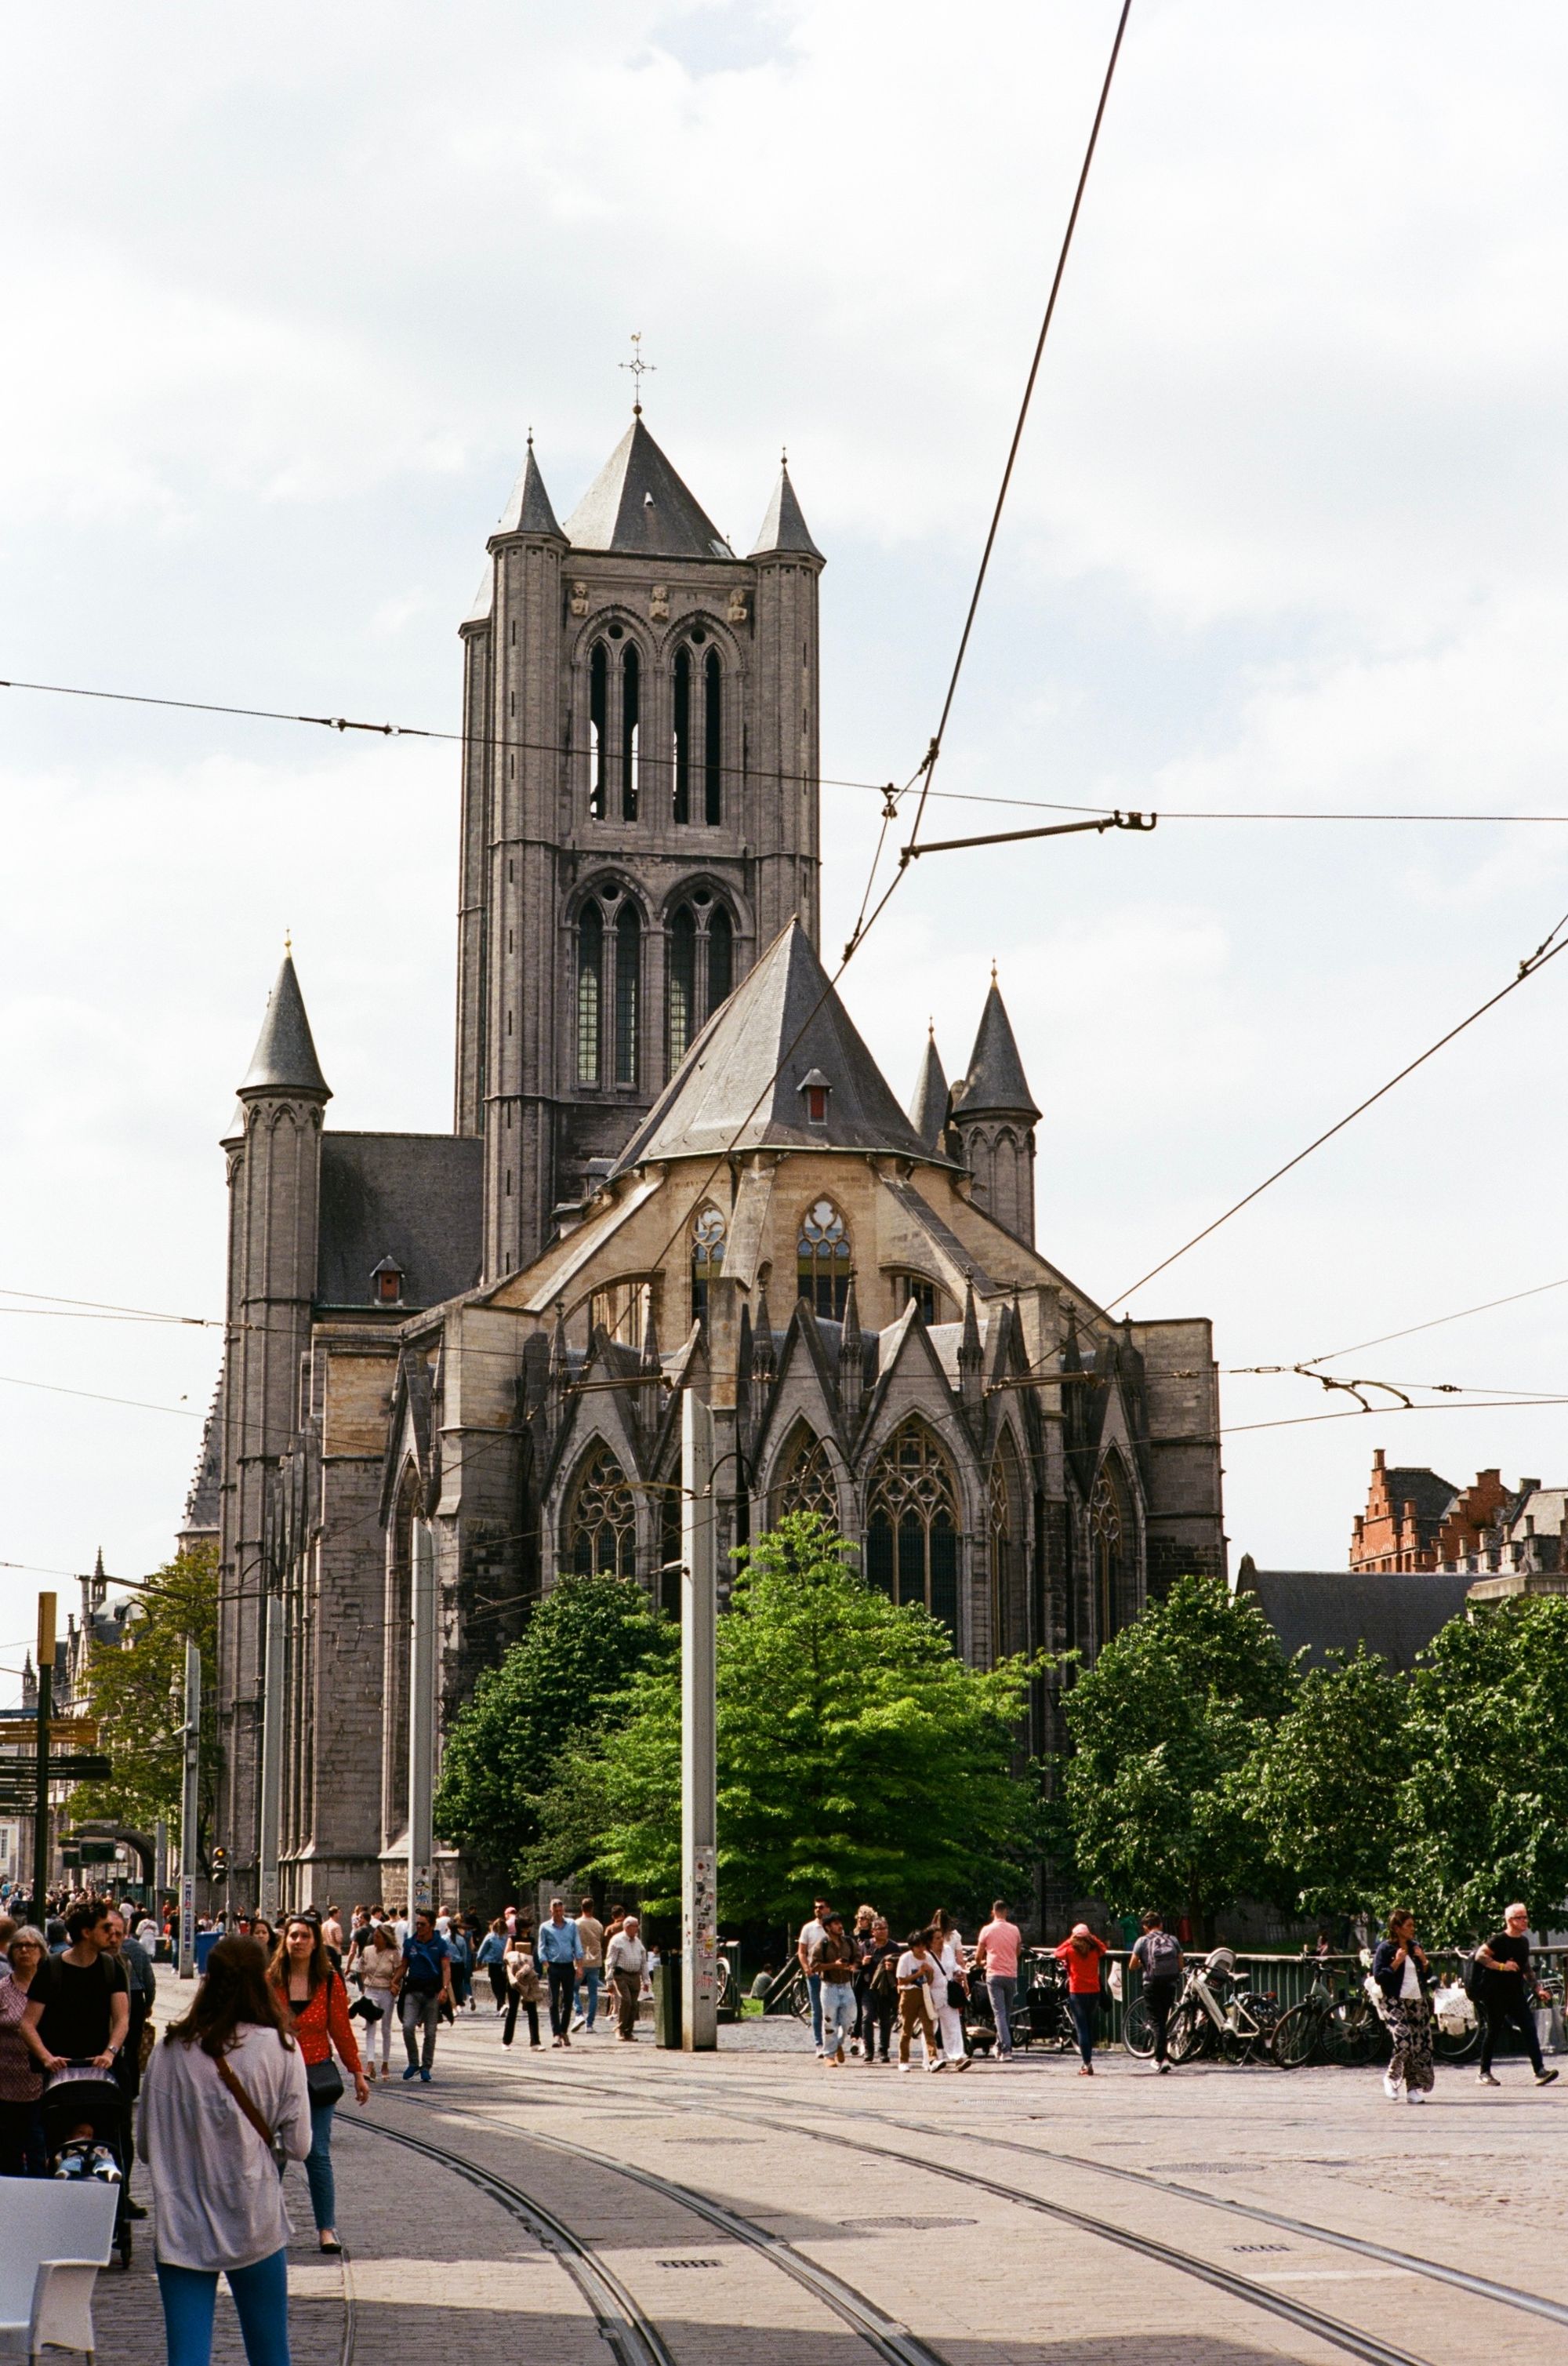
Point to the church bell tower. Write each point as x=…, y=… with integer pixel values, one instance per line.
x=639, y=812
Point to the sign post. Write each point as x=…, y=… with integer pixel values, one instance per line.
x=272, y=1752
x=40, y=1799
x=190, y=1734
x=698, y=1768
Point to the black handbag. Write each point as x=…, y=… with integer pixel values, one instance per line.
x=324, y=2080
x=957, y=1995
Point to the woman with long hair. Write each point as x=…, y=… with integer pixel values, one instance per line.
x=951, y=1992
x=225, y=2086
x=309, y=1988
x=380, y=1963
x=1399, y=1967
x=21, y=2080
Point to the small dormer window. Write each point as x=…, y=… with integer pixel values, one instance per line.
x=386, y=1283
x=814, y=1090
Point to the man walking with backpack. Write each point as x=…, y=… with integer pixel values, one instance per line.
x=1159, y=1957
x=427, y=1986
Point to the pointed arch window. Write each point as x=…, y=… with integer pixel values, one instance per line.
x=598, y=726
x=1110, y=1547
x=682, y=999
x=708, y=1232
x=628, y=982
x=713, y=739
x=823, y=1259
x=1009, y=1621
x=912, y=1525
x=700, y=969
x=721, y=957
x=591, y=991
x=805, y=1481
x=681, y=688
x=630, y=705
x=602, y=1524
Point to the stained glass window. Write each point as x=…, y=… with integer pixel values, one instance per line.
x=601, y=1527
x=590, y=986
x=823, y=1259
x=912, y=1525
x=805, y=1482
x=1109, y=1537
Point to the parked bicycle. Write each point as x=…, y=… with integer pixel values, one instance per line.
x=1330, y=2024
x=1216, y=2013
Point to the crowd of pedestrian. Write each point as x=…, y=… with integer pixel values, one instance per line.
x=860, y=1980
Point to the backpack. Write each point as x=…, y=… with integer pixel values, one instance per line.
x=1474, y=1978
x=1162, y=1955
x=422, y=1966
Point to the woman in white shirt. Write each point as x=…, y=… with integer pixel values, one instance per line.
x=225, y=2086
x=948, y=1950
x=380, y=1967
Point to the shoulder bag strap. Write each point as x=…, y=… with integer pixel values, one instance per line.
x=245, y=2102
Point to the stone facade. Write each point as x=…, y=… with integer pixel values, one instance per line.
x=675, y=1164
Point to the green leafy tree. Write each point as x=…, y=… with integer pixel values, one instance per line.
x=1164, y=1726
x=137, y=1693
x=584, y=1642
x=857, y=1755
x=1322, y=1782
x=1481, y=1817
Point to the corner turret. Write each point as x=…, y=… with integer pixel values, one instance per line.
x=994, y=1116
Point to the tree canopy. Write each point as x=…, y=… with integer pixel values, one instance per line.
x=857, y=1756
x=1322, y=1782
x=137, y=1693
x=584, y=1642
x=1164, y=1726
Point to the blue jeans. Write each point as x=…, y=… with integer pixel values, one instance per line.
x=261, y=2297
x=814, y=1987
x=837, y=2014
x=1085, y=2012
x=1003, y=1994
x=318, y=2167
x=590, y=1981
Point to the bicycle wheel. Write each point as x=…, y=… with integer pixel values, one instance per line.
x=1189, y=2033
x=1458, y=2047
x=1236, y=2045
x=1295, y=2037
x=1137, y=2030
x=1353, y=2036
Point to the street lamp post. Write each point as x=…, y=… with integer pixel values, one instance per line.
x=698, y=1772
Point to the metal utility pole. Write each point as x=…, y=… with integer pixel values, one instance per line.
x=271, y=1754
x=190, y=1735
x=421, y=1721
x=46, y=1709
x=699, y=1769
x=160, y=1863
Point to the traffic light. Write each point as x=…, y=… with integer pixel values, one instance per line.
x=220, y=1864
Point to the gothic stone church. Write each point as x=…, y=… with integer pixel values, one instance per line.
x=674, y=1163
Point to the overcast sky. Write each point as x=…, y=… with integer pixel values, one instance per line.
x=285, y=294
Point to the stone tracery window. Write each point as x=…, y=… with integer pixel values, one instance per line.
x=805, y=1481
x=602, y=1524
x=700, y=968
x=1008, y=1619
x=912, y=1525
x=823, y=1259
x=708, y=1232
x=609, y=988
x=1109, y=1547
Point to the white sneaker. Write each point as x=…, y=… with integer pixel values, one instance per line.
x=906, y=2066
x=1392, y=2088
x=819, y=2054
x=1412, y=2097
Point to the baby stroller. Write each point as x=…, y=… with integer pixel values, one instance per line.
x=84, y=2125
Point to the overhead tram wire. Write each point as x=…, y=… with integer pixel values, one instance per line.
x=1554, y=944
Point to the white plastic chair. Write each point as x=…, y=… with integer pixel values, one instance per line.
x=49, y=2223
x=62, y=2308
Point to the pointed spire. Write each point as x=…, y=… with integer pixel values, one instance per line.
x=995, y=1084
x=638, y=504
x=284, y=1058
x=650, y=1359
x=851, y=1353
x=928, y=1109
x=529, y=510
x=762, y=1362
x=558, y=1365
x=784, y=528
x=971, y=1356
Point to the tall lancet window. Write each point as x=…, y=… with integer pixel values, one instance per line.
x=721, y=957
x=713, y=739
x=682, y=985
x=821, y=1260
x=591, y=991
x=628, y=981
x=630, y=687
x=707, y=1257
x=598, y=725
x=681, y=734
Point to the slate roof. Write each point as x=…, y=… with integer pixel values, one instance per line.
x=1430, y=1493
x=412, y=1197
x=285, y=1057
x=928, y=1110
x=529, y=510
x=637, y=503
x=784, y=528
x=202, y=1503
x=1395, y=1613
x=784, y=1016
x=995, y=1084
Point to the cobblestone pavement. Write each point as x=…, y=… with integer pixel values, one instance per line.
x=844, y=2164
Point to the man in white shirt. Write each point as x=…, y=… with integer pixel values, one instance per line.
x=812, y=1933
x=626, y=1960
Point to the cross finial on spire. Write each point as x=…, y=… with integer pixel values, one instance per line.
x=637, y=366
x=993, y=972
x=288, y=944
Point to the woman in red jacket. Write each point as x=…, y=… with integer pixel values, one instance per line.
x=1082, y=1953
x=311, y=1990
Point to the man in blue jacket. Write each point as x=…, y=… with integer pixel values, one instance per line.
x=559, y=1953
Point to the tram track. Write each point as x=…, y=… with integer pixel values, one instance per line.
x=1351, y=2338
x=626, y=2326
